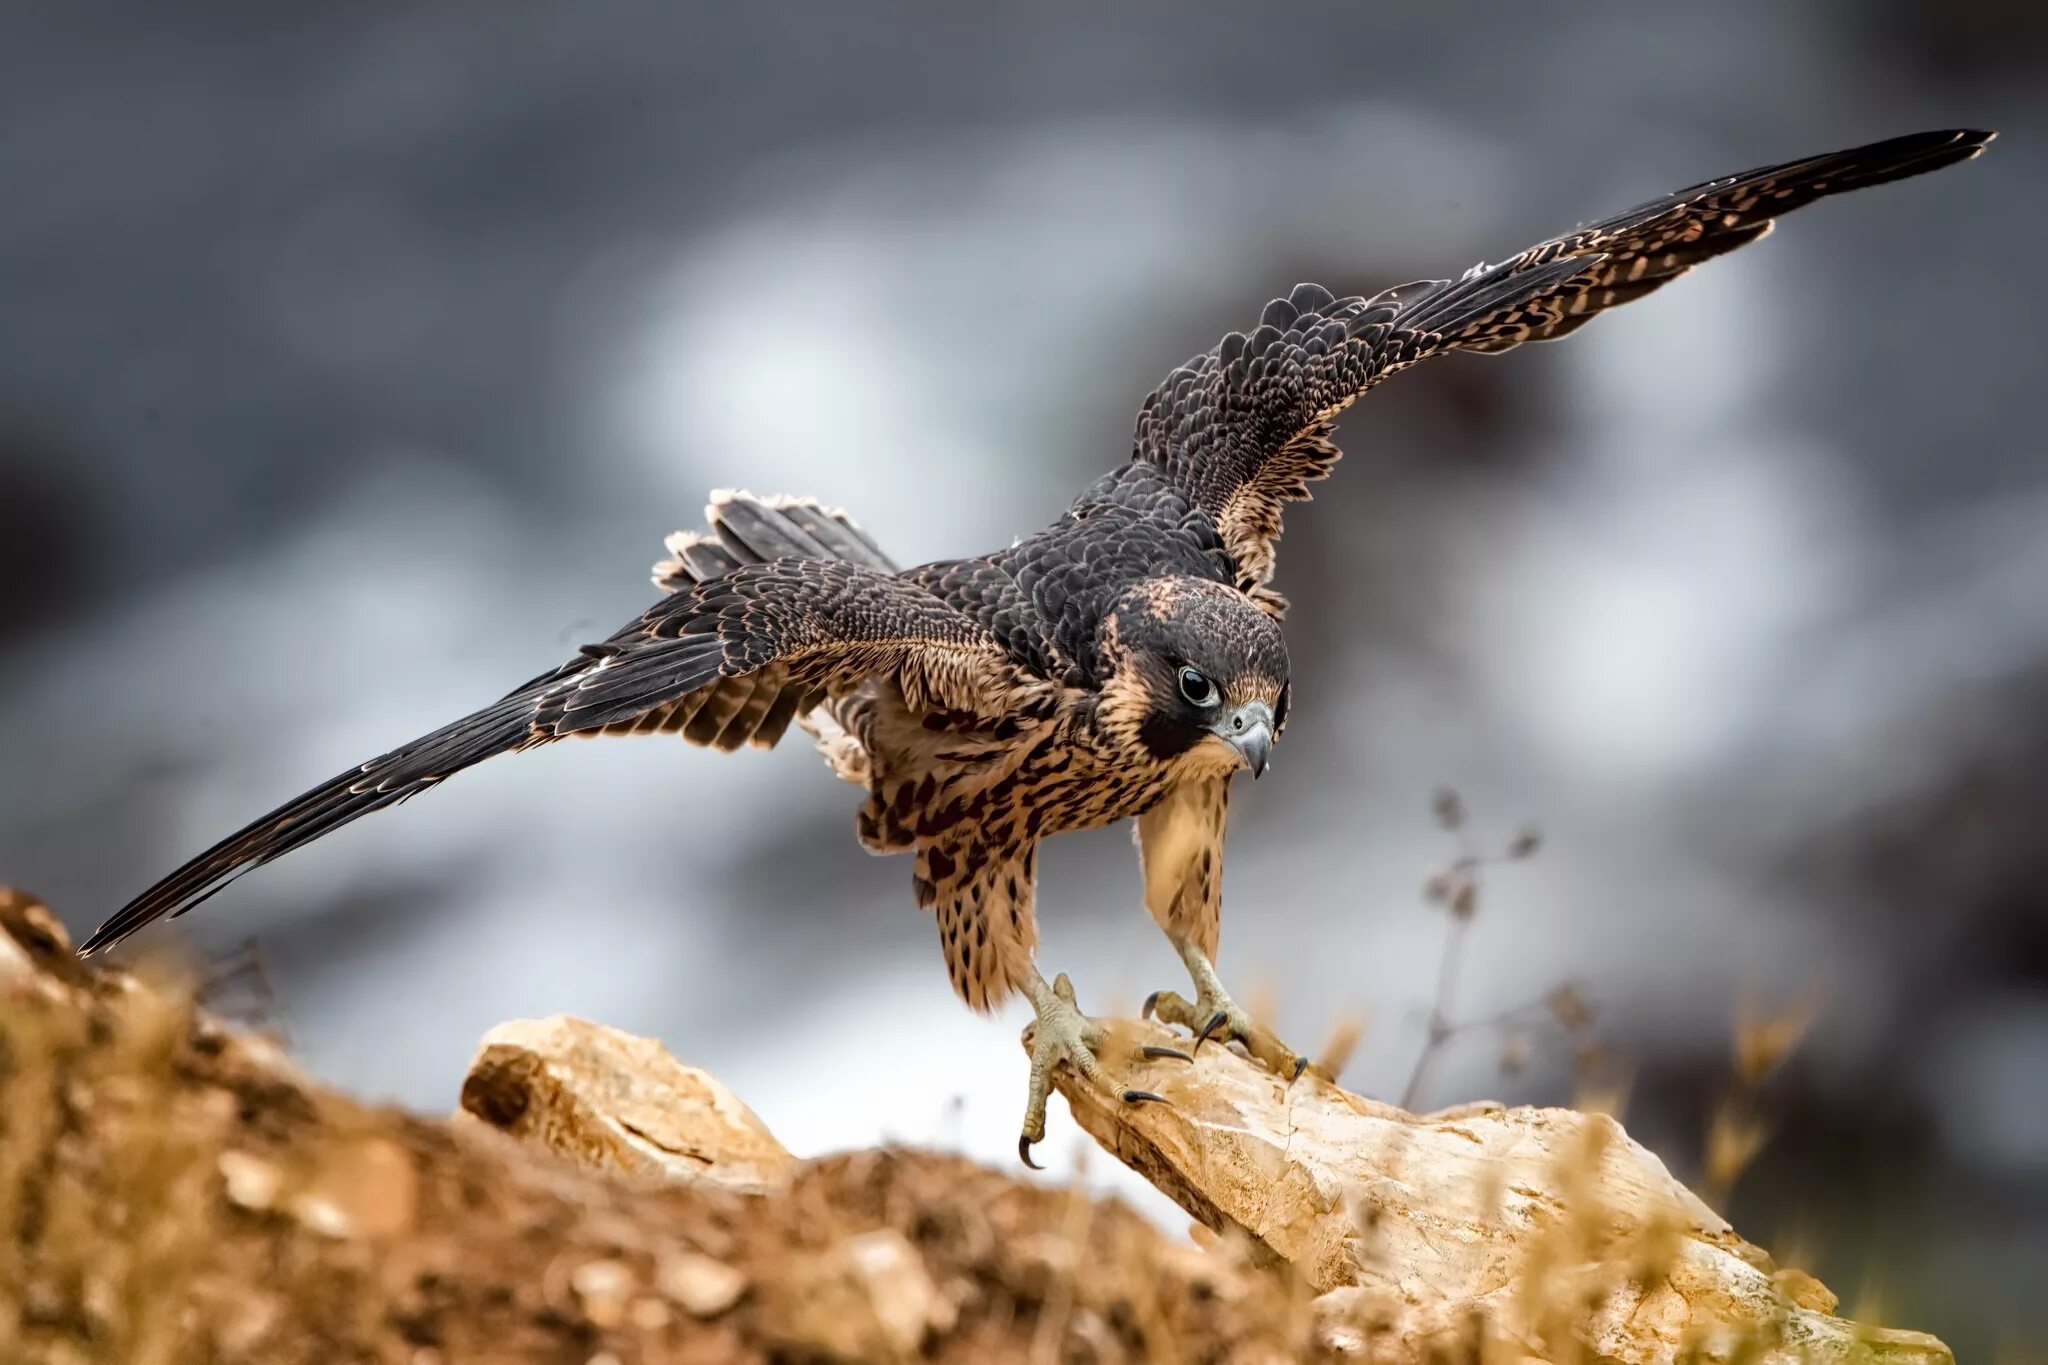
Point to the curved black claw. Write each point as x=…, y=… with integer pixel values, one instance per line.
x=1024, y=1152
x=1300, y=1065
x=1151, y=1002
x=1153, y=1052
x=1144, y=1097
x=1216, y=1021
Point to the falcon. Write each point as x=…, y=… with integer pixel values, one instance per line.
x=1124, y=663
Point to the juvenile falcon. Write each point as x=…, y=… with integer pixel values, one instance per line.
x=1122, y=663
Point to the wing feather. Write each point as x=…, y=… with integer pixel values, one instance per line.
x=720, y=660
x=1245, y=428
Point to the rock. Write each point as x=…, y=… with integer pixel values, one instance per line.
x=1550, y=1227
x=619, y=1103
x=34, y=949
x=249, y=1181
x=184, y=1193
x=700, y=1285
x=866, y=1298
x=605, y=1289
x=357, y=1189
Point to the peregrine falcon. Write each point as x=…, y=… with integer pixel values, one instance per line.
x=1124, y=663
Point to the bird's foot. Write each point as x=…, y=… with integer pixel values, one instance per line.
x=1061, y=1033
x=1212, y=1014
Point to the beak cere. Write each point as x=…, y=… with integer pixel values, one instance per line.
x=1249, y=730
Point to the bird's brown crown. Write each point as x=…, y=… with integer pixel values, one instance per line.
x=1186, y=655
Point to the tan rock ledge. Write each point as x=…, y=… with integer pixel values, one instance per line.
x=1494, y=1233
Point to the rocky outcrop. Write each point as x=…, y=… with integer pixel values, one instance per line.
x=1544, y=1234
x=171, y=1189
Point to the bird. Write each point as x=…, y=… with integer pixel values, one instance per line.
x=1125, y=663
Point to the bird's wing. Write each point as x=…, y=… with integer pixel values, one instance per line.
x=793, y=631
x=747, y=528
x=1244, y=428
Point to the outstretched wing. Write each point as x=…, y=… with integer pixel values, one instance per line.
x=801, y=630
x=1246, y=427
x=745, y=528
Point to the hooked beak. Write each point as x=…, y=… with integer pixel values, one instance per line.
x=1249, y=730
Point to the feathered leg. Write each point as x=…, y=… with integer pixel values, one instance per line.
x=1180, y=844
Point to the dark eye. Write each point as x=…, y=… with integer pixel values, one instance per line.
x=1197, y=688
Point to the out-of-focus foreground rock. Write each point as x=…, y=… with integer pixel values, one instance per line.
x=1480, y=1233
x=619, y=1103
x=171, y=1190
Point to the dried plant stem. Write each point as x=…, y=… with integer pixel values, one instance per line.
x=1441, y=1028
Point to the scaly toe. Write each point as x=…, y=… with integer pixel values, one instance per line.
x=1212, y=1016
x=1219, y=1021
x=1060, y=1033
x=1170, y=1007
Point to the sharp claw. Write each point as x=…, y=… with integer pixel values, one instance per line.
x=1300, y=1065
x=1153, y=1052
x=1151, y=1002
x=1216, y=1021
x=1144, y=1097
x=1024, y=1152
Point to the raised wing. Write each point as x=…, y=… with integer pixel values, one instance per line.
x=747, y=528
x=792, y=631
x=1246, y=427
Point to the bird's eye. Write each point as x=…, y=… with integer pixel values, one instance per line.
x=1197, y=688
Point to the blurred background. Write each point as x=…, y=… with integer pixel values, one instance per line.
x=354, y=361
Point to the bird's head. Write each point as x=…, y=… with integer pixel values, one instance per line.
x=1198, y=676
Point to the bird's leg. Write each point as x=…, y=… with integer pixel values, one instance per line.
x=1213, y=1014
x=1061, y=1033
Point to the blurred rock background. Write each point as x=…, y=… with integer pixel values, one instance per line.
x=354, y=361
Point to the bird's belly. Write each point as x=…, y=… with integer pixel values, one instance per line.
x=1020, y=783
x=1084, y=794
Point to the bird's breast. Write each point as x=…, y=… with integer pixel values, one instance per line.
x=1017, y=779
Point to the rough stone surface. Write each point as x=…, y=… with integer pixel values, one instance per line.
x=867, y=1298
x=619, y=1103
x=1550, y=1227
x=172, y=1190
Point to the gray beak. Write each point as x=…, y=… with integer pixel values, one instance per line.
x=1249, y=730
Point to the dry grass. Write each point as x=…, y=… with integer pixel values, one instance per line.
x=170, y=1192
x=1457, y=891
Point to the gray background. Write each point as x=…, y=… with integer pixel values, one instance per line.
x=354, y=361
